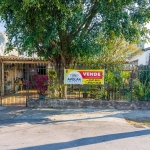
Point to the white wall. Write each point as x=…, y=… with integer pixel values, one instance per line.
x=143, y=59
x=12, y=53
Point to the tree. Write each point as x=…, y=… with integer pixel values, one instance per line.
x=118, y=52
x=113, y=53
x=61, y=30
x=113, y=56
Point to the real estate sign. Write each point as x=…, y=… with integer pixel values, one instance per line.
x=72, y=76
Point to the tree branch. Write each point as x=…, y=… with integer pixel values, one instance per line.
x=88, y=20
x=92, y=12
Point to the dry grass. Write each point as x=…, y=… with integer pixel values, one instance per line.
x=139, y=123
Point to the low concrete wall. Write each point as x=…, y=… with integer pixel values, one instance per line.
x=87, y=104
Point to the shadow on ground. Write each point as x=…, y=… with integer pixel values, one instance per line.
x=15, y=115
x=89, y=140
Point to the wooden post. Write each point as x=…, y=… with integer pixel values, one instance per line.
x=2, y=90
x=48, y=65
x=15, y=70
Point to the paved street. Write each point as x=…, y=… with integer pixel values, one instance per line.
x=73, y=129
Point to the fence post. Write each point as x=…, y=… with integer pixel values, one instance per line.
x=79, y=91
x=1, y=101
x=27, y=84
x=2, y=84
x=1, y=97
x=131, y=86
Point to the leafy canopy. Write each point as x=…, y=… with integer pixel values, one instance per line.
x=113, y=53
x=61, y=30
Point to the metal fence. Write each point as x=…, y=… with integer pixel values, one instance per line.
x=14, y=79
x=126, y=82
x=122, y=82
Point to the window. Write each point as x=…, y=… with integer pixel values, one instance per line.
x=41, y=70
x=135, y=62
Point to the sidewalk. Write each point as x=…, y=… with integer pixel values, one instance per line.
x=23, y=113
x=2, y=107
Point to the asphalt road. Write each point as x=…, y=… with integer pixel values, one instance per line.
x=73, y=129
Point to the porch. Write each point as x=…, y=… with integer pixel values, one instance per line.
x=14, y=68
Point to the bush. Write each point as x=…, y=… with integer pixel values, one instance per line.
x=140, y=90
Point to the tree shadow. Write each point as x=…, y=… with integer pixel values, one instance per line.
x=17, y=115
x=43, y=116
x=88, y=140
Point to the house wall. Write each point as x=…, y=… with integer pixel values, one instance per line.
x=143, y=59
x=10, y=76
x=12, y=66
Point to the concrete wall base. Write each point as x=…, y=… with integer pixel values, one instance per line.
x=59, y=103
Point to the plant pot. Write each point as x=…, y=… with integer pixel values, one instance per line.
x=85, y=95
x=41, y=96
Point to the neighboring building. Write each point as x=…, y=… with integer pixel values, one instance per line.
x=14, y=52
x=15, y=65
x=143, y=58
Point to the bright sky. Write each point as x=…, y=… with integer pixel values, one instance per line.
x=147, y=44
x=2, y=28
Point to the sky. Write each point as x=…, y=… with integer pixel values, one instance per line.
x=2, y=29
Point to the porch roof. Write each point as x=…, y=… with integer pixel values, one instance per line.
x=15, y=59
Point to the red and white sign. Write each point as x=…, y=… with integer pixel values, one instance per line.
x=83, y=76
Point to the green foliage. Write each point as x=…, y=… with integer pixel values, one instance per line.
x=144, y=75
x=147, y=92
x=60, y=30
x=113, y=78
x=141, y=86
x=113, y=54
x=102, y=94
x=51, y=74
x=54, y=90
x=140, y=91
x=125, y=75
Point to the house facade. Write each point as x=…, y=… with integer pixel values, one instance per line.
x=16, y=65
x=143, y=58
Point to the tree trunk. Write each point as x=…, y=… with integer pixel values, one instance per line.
x=60, y=64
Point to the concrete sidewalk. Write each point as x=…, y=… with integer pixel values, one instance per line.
x=20, y=113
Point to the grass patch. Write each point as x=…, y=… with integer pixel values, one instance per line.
x=139, y=123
